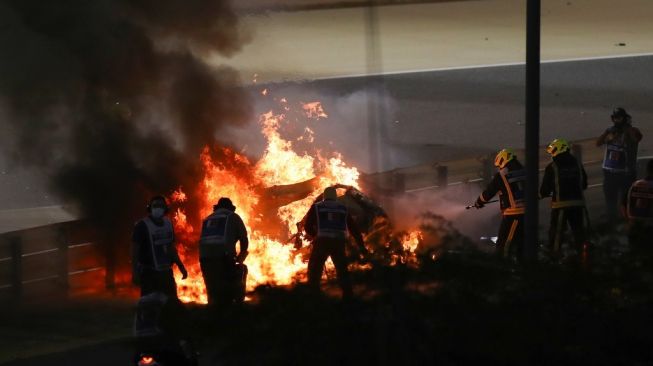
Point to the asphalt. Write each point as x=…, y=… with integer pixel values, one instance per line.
x=456, y=114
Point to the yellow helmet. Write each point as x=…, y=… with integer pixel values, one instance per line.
x=557, y=146
x=503, y=157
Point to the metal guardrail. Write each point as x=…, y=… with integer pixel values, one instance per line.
x=468, y=171
x=46, y=253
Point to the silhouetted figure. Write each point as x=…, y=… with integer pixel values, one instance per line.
x=620, y=161
x=154, y=251
x=564, y=181
x=509, y=183
x=327, y=225
x=223, y=271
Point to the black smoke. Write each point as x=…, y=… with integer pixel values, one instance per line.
x=111, y=98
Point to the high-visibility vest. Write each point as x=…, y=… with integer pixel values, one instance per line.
x=213, y=240
x=331, y=219
x=514, y=182
x=615, y=159
x=161, y=242
x=557, y=202
x=640, y=201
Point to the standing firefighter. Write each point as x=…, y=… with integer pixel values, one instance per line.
x=154, y=252
x=619, y=164
x=564, y=181
x=639, y=210
x=327, y=224
x=509, y=182
x=224, y=272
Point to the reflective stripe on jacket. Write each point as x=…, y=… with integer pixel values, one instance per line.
x=514, y=181
x=331, y=219
x=161, y=242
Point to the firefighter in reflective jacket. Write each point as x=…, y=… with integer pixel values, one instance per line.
x=564, y=181
x=509, y=183
x=620, y=161
x=220, y=232
x=327, y=224
x=639, y=210
x=154, y=252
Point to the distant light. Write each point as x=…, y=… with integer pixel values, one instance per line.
x=146, y=360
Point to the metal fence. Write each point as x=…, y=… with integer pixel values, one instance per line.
x=54, y=259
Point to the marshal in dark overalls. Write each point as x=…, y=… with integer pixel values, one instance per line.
x=620, y=161
x=223, y=270
x=327, y=225
x=154, y=252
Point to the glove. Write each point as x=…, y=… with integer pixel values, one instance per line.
x=240, y=258
x=184, y=272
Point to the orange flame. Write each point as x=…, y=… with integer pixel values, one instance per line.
x=271, y=260
x=411, y=241
x=314, y=110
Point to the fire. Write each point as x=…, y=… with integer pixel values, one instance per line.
x=411, y=241
x=229, y=174
x=314, y=110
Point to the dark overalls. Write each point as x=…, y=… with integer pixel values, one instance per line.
x=619, y=170
x=220, y=232
x=330, y=241
x=155, y=242
x=509, y=183
x=565, y=180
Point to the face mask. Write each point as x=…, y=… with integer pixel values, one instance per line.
x=157, y=212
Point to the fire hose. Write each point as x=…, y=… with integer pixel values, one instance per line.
x=476, y=206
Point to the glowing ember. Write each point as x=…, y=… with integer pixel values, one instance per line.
x=178, y=196
x=314, y=110
x=308, y=136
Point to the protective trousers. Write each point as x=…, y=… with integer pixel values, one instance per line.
x=576, y=217
x=219, y=278
x=511, y=236
x=323, y=248
x=615, y=186
x=158, y=281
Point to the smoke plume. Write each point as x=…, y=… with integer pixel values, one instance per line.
x=110, y=98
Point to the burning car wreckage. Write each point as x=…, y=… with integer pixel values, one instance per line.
x=273, y=195
x=385, y=244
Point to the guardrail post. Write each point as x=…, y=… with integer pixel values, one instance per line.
x=577, y=151
x=16, y=245
x=443, y=176
x=62, y=245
